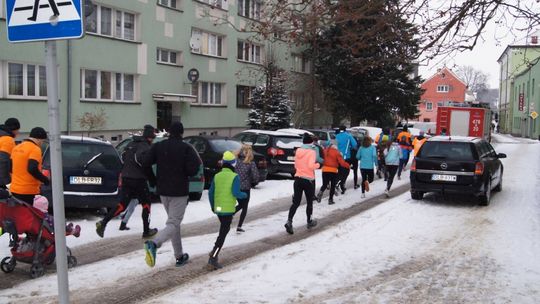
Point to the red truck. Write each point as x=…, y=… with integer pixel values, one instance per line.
x=461, y=121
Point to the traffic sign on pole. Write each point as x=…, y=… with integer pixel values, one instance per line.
x=39, y=20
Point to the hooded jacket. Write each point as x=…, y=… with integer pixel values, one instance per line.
x=7, y=143
x=133, y=157
x=305, y=162
x=346, y=143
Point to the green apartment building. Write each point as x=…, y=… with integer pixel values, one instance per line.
x=519, y=77
x=133, y=63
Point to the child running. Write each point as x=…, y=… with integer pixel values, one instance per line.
x=249, y=176
x=223, y=193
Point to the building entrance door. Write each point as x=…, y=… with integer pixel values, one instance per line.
x=164, y=115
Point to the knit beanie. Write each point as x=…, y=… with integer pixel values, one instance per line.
x=41, y=203
x=38, y=133
x=229, y=158
x=176, y=129
x=149, y=132
x=13, y=124
x=307, y=139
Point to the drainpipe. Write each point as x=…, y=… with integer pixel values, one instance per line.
x=68, y=110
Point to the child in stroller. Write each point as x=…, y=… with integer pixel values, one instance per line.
x=37, y=246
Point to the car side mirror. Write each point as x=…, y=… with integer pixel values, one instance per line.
x=501, y=155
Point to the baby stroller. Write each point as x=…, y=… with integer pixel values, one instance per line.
x=37, y=246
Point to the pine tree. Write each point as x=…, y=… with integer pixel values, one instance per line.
x=257, y=102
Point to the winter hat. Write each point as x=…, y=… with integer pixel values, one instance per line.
x=307, y=139
x=229, y=158
x=176, y=129
x=342, y=128
x=41, y=203
x=13, y=124
x=149, y=132
x=38, y=133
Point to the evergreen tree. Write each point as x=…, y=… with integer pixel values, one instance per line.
x=257, y=102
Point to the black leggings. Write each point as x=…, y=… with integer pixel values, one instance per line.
x=224, y=228
x=329, y=178
x=308, y=187
x=132, y=188
x=354, y=169
x=392, y=170
x=243, y=205
x=367, y=175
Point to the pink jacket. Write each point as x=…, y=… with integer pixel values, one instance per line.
x=305, y=163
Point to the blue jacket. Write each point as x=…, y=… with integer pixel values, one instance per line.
x=405, y=152
x=392, y=155
x=367, y=157
x=345, y=143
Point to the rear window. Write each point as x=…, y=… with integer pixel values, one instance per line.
x=222, y=145
x=321, y=135
x=288, y=142
x=77, y=155
x=446, y=150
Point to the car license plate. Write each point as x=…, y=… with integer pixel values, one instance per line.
x=444, y=178
x=290, y=157
x=84, y=180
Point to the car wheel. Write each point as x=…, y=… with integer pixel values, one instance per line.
x=486, y=198
x=195, y=196
x=417, y=195
x=498, y=188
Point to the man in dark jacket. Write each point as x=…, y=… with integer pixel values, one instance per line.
x=176, y=161
x=134, y=182
x=8, y=131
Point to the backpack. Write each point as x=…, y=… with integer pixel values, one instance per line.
x=130, y=152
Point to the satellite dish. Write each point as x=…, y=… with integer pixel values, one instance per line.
x=195, y=42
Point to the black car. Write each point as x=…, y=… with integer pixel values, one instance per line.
x=277, y=147
x=467, y=165
x=91, y=169
x=211, y=149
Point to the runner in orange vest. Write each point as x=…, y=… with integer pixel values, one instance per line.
x=8, y=131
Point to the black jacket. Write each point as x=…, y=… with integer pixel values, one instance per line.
x=5, y=161
x=133, y=157
x=175, y=161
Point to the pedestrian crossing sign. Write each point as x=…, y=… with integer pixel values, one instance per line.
x=38, y=20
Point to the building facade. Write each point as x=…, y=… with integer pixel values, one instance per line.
x=444, y=88
x=514, y=61
x=525, y=122
x=133, y=63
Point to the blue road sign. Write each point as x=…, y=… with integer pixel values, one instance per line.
x=38, y=20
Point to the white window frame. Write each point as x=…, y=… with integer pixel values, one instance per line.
x=160, y=58
x=443, y=88
x=222, y=4
x=37, y=88
x=212, y=42
x=301, y=64
x=169, y=3
x=254, y=9
x=211, y=93
x=251, y=49
x=429, y=106
x=114, y=33
x=113, y=86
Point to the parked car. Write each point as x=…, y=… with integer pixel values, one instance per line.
x=91, y=169
x=196, y=183
x=457, y=165
x=277, y=147
x=211, y=148
x=324, y=134
x=369, y=131
x=299, y=132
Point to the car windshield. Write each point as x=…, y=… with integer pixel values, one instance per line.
x=222, y=145
x=447, y=150
x=79, y=155
x=288, y=142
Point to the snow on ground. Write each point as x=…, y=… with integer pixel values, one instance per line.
x=110, y=271
x=403, y=251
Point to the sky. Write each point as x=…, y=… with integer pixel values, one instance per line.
x=483, y=57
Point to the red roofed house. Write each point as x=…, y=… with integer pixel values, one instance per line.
x=442, y=89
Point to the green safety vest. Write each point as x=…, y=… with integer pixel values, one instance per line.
x=224, y=200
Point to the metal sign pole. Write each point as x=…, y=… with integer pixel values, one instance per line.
x=55, y=147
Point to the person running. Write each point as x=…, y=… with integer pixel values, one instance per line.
x=332, y=161
x=346, y=143
x=380, y=141
x=367, y=156
x=134, y=182
x=249, y=177
x=406, y=148
x=8, y=132
x=392, y=154
x=175, y=162
x=305, y=163
x=418, y=142
x=223, y=193
x=26, y=159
